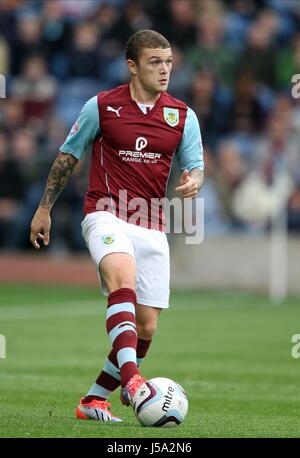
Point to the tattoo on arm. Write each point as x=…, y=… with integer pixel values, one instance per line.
x=59, y=175
x=198, y=175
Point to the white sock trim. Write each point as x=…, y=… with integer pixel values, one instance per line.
x=98, y=390
x=125, y=355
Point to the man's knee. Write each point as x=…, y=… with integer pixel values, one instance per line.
x=146, y=331
x=117, y=283
x=118, y=271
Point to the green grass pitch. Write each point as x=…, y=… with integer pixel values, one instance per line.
x=230, y=351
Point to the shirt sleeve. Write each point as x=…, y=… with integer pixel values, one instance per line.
x=84, y=131
x=190, y=150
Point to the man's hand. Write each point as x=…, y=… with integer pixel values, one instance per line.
x=189, y=184
x=40, y=227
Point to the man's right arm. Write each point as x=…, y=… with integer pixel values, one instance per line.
x=81, y=136
x=59, y=175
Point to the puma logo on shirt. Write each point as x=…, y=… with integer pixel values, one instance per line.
x=115, y=111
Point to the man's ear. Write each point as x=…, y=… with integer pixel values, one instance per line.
x=131, y=67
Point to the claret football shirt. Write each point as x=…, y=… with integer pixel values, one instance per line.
x=132, y=152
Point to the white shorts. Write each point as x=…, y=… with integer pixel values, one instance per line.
x=104, y=233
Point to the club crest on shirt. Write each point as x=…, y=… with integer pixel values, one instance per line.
x=108, y=239
x=75, y=128
x=171, y=116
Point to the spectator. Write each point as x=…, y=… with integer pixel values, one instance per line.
x=216, y=222
x=83, y=61
x=24, y=151
x=288, y=63
x=12, y=189
x=56, y=36
x=182, y=75
x=132, y=19
x=266, y=189
x=246, y=113
x=210, y=50
x=35, y=88
x=29, y=41
x=294, y=210
x=231, y=170
x=181, y=28
x=261, y=195
x=258, y=57
x=12, y=116
x=237, y=21
x=8, y=19
x=211, y=105
x=279, y=142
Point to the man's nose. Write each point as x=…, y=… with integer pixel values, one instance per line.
x=164, y=68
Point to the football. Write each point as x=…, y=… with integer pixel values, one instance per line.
x=160, y=402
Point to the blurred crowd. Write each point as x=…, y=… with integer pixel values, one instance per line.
x=233, y=65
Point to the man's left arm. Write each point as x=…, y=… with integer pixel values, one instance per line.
x=190, y=157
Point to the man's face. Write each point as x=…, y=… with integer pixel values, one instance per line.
x=154, y=68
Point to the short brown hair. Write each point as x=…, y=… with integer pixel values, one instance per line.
x=144, y=39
